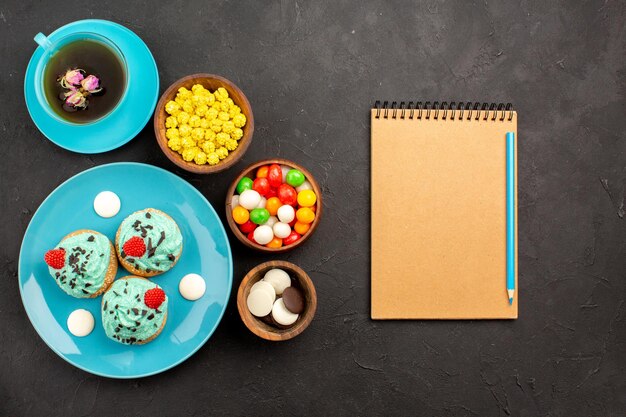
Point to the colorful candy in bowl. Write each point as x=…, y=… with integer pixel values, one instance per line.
x=273, y=205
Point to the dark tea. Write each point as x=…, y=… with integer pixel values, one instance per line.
x=84, y=80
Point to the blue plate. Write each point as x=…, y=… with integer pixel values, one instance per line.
x=130, y=115
x=206, y=251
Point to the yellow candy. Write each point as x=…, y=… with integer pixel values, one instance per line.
x=236, y=133
x=179, y=100
x=194, y=121
x=174, y=144
x=183, y=93
x=171, y=121
x=306, y=198
x=223, y=116
x=221, y=152
x=224, y=107
x=217, y=106
x=239, y=120
x=197, y=88
x=204, y=123
x=221, y=138
x=188, y=106
x=187, y=142
x=234, y=110
x=210, y=99
x=216, y=125
x=211, y=114
x=208, y=147
x=190, y=153
x=231, y=144
x=209, y=135
x=172, y=108
x=230, y=102
x=213, y=159
x=182, y=117
x=200, y=158
x=184, y=130
x=198, y=133
x=202, y=109
x=305, y=215
x=228, y=126
x=221, y=94
x=172, y=132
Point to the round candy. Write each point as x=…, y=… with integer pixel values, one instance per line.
x=284, y=170
x=293, y=299
x=259, y=216
x=306, y=185
x=278, y=278
x=275, y=175
x=301, y=228
x=234, y=201
x=244, y=184
x=295, y=178
x=293, y=236
x=282, y=315
x=192, y=287
x=272, y=205
x=306, y=198
x=261, y=185
x=249, y=199
x=286, y=213
x=262, y=172
x=264, y=286
x=262, y=203
x=305, y=215
x=275, y=243
x=259, y=303
x=107, y=204
x=281, y=230
x=240, y=215
x=273, y=192
x=80, y=322
x=247, y=227
x=287, y=194
x=251, y=236
x=271, y=221
x=263, y=234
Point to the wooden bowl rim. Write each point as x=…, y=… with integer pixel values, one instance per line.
x=252, y=323
x=234, y=156
x=243, y=238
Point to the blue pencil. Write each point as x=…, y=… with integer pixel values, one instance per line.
x=510, y=215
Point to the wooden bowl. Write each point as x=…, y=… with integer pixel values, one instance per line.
x=263, y=329
x=250, y=171
x=211, y=82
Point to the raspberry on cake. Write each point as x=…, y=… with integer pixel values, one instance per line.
x=148, y=242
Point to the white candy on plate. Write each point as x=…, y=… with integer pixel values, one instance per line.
x=282, y=315
x=263, y=234
x=80, y=322
x=286, y=213
x=107, y=204
x=278, y=278
x=281, y=230
x=192, y=287
x=249, y=199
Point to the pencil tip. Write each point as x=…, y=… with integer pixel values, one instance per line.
x=511, y=300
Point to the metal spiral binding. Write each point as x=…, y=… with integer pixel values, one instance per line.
x=461, y=111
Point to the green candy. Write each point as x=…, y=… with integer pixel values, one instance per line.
x=244, y=184
x=295, y=178
x=259, y=216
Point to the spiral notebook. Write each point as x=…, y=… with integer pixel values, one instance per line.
x=438, y=225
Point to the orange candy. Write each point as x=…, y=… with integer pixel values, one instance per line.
x=301, y=228
x=240, y=215
x=272, y=205
x=262, y=172
x=275, y=243
x=305, y=215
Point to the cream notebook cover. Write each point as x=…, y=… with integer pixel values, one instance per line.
x=438, y=225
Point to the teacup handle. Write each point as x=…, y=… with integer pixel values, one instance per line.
x=43, y=41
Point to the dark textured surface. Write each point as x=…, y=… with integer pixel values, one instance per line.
x=311, y=70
